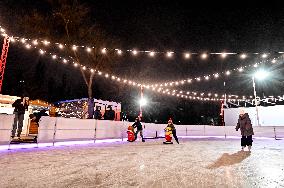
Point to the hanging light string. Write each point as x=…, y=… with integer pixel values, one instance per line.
x=150, y=53
x=165, y=84
x=156, y=88
x=216, y=75
x=130, y=82
x=191, y=95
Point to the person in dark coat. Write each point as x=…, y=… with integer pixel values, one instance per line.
x=171, y=125
x=244, y=124
x=139, y=127
x=20, y=106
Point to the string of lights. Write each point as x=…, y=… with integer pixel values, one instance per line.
x=150, y=53
x=157, y=88
x=180, y=93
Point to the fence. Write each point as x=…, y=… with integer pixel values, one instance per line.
x=57, y=129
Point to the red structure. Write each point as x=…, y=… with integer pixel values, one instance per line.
x=3, y=59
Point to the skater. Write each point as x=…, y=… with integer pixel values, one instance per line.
x=139, y=127
x=244, y=123
x=171, y=125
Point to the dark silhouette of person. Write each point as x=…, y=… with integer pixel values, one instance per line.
x=139, y=127
x=97, y=113
x=20, y=106
x=111, y=113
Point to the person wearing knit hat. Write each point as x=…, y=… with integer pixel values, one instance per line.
x=244, y=124
x=170, y=124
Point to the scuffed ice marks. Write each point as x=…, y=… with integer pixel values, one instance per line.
x=193, y=163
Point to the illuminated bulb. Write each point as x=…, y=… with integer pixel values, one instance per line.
x=171, y=84
x=12, y=39
x=60, y=46
x=223, y=55
x=209, y=94
x=216, y=75
x=23, y=40
x=106, y=75
x=273, y=61
x=216, y=95
x=124, y=81
x=118, y=79
x=89, y=49
x=100, y=73
x=180, y=92
x=152, y=54
x=84, y=68
x=75, y=64
x=130, y=82
x=187, y=92
x=182, y=82
x=176, y=83
x=243, y=56
x=28, y=46
x=241, y=69
x=64, y=61
x=206, y=77
x=134, y=52
x=204, y=56
x=2, y=30
x=255, y=65
x=119, y=52
x=228, y=72
x=170, y=54
x=264, y=55
x=53, y=56
x=35, y=42
x=189, y=81
x=113, y=77
x=45, y=42
x=104, y=51
x=198, y=79
x=92, y=71
x=41, y=51
x=74, y=47
x=187, y=55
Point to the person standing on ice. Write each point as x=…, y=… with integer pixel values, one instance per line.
x=244, y=124
x=170, y=124
x=139, y=127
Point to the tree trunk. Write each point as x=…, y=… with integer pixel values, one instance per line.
x=90, y=99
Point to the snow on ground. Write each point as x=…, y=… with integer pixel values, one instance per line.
x=193, y=163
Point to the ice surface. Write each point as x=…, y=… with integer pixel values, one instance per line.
x=193, y=163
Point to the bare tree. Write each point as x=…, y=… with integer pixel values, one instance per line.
x=69, y=22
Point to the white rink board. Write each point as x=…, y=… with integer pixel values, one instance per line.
x=84, y=129
x=268, y=116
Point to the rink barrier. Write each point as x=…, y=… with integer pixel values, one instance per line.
x=53, y=130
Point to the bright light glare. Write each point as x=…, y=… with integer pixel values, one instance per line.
x=142, y=102
x=261, y=74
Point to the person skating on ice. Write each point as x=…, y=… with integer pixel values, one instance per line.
x=170, y=124
x=139, y=127
x=244, y=124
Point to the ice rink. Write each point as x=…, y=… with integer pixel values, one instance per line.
x=195, y=162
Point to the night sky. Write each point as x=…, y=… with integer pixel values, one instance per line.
x=158, y=26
